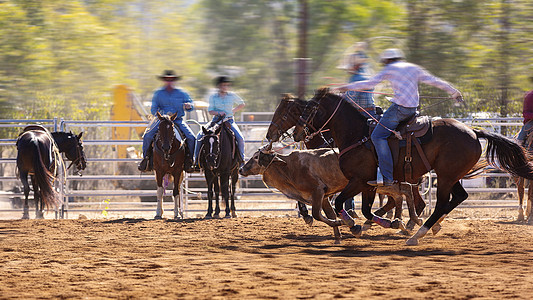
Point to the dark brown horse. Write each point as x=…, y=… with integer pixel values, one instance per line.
x=219, y=158
x=286, y=116
x=38, y=155
x=169, y=158
x=452, y=152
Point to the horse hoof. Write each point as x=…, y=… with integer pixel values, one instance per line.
x=367, y=225
x=233, y=214
x=308, y=220
x=436, y=228
x=356, y=230
x=158, y=217
x=410, y=225
x=227, y=216
x=412, y=242
x=337, y=241
x=208, y=216
x=216, y=216
x=530, y=221
x=25, y=217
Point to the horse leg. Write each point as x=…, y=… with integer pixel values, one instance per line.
x=209, y=177
x=160, y=190
x=233, y=189
x=302, y=208
x=26, y=209
x=224, y=189
x=520, y=187
x=529, y=209
x=37, y=199
x=330, y=213
x=407, y=189
x=458, y=196
x=420, y=204
x=366, y=209
x=217, y=195
x=441, y=207
x=177, y=196
x=387, y=208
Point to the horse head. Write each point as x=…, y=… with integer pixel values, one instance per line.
x=307, y=123
x=71, y=144
x=165, y=134
x=210, y=149
x=285, y=117
x=325, y=108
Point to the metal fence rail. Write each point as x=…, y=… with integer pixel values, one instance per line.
x=76, y=199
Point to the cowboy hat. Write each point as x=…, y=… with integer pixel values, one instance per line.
x=169, y=74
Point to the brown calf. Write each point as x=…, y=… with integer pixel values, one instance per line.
x=308, y=176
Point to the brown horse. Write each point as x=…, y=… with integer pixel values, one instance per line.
x=286, y=116
x=452, y=152
x=38, y=155
x=169, y=158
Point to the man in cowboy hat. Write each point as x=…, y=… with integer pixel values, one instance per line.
x=168, y=100
x=404, y=78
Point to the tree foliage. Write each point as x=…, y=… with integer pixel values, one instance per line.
x=63, y=57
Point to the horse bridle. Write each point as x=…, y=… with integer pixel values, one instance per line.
x=166, y=154
x=79, y=156
x=283, y=133
x=213, y=155
x=305, y=120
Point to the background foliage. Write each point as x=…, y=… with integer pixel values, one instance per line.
x=63, y=57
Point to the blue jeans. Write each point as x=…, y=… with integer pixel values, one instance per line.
x=238, y=137
x=151, y=131
x=526, y=129
x=391, y=118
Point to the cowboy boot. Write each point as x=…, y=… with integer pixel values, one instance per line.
x=143, y=165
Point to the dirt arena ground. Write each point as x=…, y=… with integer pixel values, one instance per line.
x=258, y=258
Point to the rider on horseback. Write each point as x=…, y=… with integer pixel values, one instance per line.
x=404, y=78
x=168, y=100
x=527, y=113
x=221, y=105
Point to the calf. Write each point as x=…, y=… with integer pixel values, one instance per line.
x=308, y=176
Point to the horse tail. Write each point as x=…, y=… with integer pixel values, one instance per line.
x=506, y=154
x=43, y=177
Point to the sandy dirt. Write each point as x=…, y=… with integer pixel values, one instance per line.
x=260, y=257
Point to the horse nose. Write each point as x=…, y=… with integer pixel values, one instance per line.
x=241, y=171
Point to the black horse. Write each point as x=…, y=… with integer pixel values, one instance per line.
x=39, y=155
x=219, y=158
x=452, y=153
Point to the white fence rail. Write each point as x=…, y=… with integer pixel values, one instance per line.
x=112, y=184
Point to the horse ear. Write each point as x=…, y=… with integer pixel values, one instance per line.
x=204, y=130
x=173, y=116
x=322, y=91
x=79, y=135
x=159, y=116
x=218, y=129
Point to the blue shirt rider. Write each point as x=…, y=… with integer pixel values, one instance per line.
x=223, y=103
x=168, y=100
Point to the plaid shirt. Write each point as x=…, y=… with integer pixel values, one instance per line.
x=366, y=100
x=404, y=78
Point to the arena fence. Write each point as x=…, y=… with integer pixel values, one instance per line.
x=111, y=183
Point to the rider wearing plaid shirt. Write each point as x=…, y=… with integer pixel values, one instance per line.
x=404, y=78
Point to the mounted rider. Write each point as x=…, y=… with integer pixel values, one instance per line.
x=168, y=100
x=356, y=64
x=223, y=104
x=404, y=78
